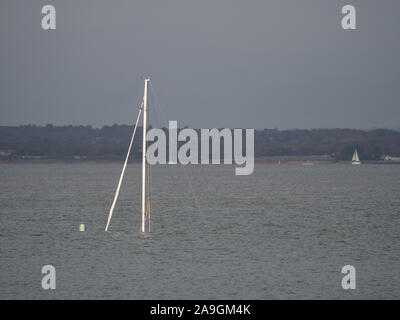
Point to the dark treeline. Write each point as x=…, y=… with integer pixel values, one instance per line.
x=111, y=142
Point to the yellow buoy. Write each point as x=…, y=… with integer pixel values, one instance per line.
x=82, y=228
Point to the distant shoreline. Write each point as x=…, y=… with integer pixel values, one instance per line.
x=110, y=143
x=274, y=161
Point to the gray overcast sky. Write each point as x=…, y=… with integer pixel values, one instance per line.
x=213, y=63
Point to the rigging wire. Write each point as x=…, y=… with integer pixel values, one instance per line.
x=196, y=201
x=149, y=186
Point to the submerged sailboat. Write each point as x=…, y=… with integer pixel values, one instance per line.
x=146, y=204
x=356, y=159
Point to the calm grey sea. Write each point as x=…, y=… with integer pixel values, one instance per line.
x=284, y=232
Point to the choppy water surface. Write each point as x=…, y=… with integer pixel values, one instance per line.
x=284, y=232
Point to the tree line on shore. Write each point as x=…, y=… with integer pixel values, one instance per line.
x=111, y=142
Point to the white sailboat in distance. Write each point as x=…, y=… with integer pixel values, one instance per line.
x=356, y=159
x=145, y=195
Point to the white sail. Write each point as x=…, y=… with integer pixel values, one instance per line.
x=355, y=159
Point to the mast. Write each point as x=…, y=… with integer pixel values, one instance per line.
x=146, y=81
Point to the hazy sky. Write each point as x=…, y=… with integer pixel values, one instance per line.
x=213, y=63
